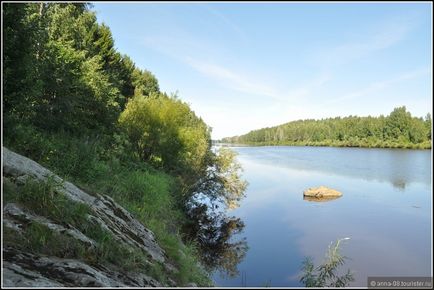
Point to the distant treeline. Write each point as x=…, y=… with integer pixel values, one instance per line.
x=397, y=130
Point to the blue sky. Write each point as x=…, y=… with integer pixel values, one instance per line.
x=244, y=66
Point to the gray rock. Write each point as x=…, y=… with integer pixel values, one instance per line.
x=16, y=217
x=21, y=269
x=15, y=276
x=115, y=218
x=25, y=269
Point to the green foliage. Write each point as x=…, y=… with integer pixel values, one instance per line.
x=38, y=238
x=146, y=193
x=21, y=31
x=75, y=157
x=166, y=133
x=326, y=274
x=145, y=82
x=44, y=199
x=124, y=70
x=428, y=125
x=398, y=130
x=184, y=255
x=150, y=197
x=61, y=69
x=398, y=124
x=110, y=252
x=76, y=105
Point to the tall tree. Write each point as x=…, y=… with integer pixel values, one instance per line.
x=398, y=124
x=23, y=35
x=145, y=82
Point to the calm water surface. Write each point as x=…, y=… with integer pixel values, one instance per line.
x=385, y=210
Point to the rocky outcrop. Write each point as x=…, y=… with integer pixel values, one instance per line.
x=17, y=218
x=30, y=269
x=22, y=269
x=321, y=193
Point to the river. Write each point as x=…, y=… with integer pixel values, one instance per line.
x=385, y=210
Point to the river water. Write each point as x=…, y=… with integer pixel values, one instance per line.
x=385, y=210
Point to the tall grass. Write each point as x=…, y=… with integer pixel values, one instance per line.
x=89, y=162
x=42, y=199
x=328, y=273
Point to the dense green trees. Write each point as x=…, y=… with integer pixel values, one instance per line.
x=165, y=132
x=20, y=49
x=399, y=129
x=75, y=104
x=144, y=82
x=63, y=74
x=62, y=71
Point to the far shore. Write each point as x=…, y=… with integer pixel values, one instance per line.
x=319, y=144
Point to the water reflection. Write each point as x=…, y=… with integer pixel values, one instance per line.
x=386, y=211
x=396, y=166
x=320, y=199
x=399, y=183
x=215, y=232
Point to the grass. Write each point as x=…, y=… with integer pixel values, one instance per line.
x=42, y=199
x=150, y=197
x=327, y=274
x=185, y=256
x=149, y=194
x=38, y=238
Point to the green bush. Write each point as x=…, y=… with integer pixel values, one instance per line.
x=166, y=132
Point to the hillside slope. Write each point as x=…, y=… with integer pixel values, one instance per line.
x=59, y=235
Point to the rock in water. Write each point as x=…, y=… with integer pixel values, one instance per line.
x=320, y=199
x=321, y=193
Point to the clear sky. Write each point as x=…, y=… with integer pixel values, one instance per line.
x=244, y=66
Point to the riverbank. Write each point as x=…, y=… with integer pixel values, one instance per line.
x=85, y=111
x=330, y=143
x=146, y=193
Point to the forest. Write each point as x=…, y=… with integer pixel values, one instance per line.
x=76, y=105
x=397, y=130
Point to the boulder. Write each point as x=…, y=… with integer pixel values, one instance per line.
x=321, y=193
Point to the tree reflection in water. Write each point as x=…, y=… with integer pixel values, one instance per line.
x=213, y=231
